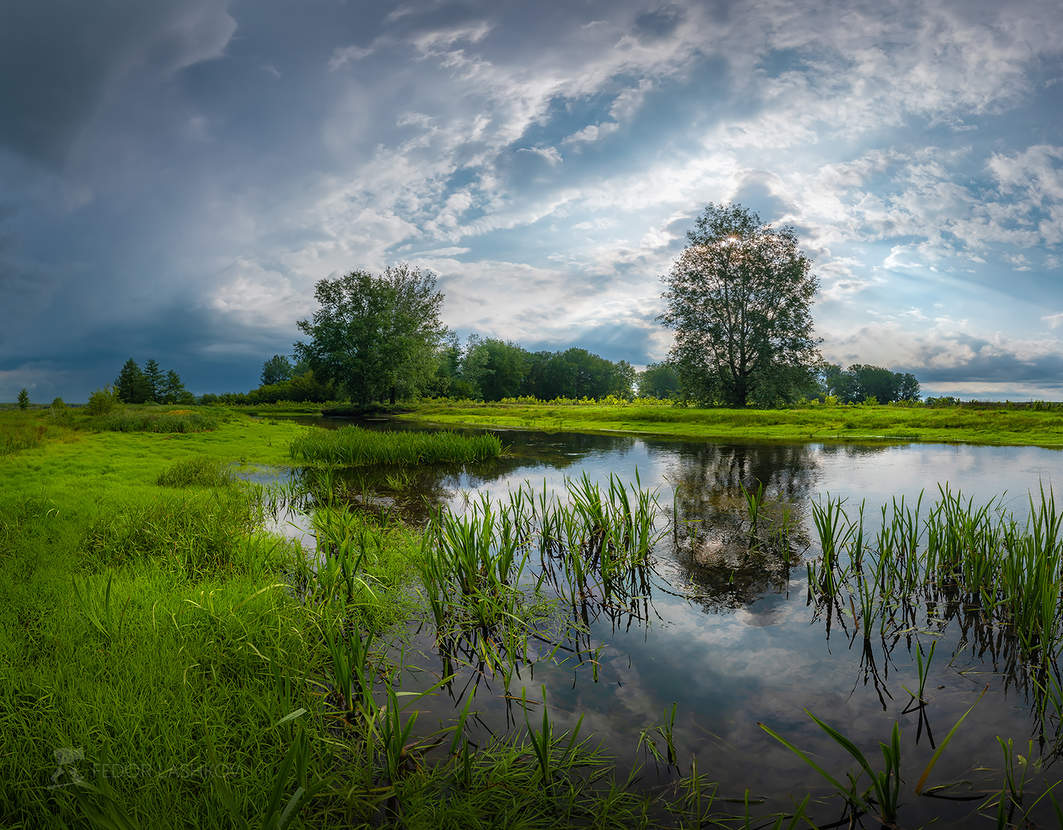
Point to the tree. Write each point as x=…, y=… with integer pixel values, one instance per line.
x=23, y=399
x=495, y=368
x=376, y=336
x=874, y=382
x=739, y=300
x=862, y=382
x=659, y=380
x=172, y=389
x=155, y=380
x=909, y=388
x=276, y=369
x=131, y=385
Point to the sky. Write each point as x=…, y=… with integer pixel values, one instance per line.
x=176, y=176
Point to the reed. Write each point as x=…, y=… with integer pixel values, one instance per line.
x=959, y=555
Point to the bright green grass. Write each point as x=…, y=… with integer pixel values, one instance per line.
x=196, y=472
x=153, y=631
x=841, y=423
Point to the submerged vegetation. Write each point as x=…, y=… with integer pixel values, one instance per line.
x=169, y=660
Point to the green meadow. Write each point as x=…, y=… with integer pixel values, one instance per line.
x=1002, y=426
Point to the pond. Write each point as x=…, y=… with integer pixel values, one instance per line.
x=733, y=638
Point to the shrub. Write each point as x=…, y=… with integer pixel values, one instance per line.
x=102, y=401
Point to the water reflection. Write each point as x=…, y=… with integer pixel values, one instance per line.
x=724, y=627
x=728, y=557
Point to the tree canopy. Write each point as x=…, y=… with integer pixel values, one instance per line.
x=136, y=385
x=155, y=380
x=276, y=370
x=659, y=380
x=375, y=336
x=739, y=300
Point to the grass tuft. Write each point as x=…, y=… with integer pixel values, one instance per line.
x=196, y=472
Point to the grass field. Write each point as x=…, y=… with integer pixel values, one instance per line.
x=821, y=423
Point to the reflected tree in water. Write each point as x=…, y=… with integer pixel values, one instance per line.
x=731, y=550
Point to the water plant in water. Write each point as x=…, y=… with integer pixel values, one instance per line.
x=960, y=556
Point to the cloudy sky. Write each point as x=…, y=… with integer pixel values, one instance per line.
x=174, y=177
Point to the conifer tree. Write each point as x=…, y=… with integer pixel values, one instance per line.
x=172, y=389
x=131, y=385
x=154, y=377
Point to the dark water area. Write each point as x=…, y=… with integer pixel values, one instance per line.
x=732, y=640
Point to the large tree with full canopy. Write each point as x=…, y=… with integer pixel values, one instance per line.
x=376, y=336
x=739, y=300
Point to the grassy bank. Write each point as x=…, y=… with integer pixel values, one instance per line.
x=821, y=423
x=164, y=662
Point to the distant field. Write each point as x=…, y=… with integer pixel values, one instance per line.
x=837, y=423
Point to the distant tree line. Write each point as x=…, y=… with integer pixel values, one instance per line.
x=490, y=369
x=150, y=384
x=281, y=379
x=484, y=369
x=861, y=383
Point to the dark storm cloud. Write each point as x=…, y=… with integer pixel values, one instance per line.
x=178, y=175
x=57, y=60
x=659, y=22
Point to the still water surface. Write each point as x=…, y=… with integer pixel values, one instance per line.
x=732, y=640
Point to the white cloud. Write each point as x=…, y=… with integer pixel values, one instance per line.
x=341, y=56
x=550, y=155
x=591, y=133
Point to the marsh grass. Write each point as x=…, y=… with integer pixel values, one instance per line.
x=148, y=420
x=194, y=536
x=21, y=436
x=593, y=547
x=199, y=471
x=355, y=446
x=213, y=676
